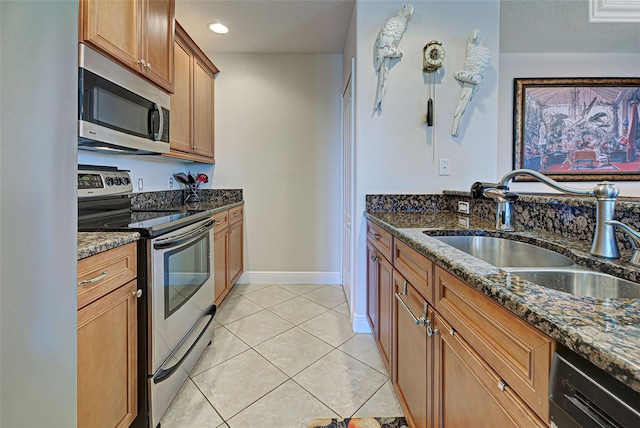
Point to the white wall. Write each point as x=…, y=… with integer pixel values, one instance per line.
x=38, y=210
x=553, y=65
x=154, y=170
x=394, y=149
x=278, y=137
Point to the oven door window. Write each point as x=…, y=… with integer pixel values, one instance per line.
x=186, y=269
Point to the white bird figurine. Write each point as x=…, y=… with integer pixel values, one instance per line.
x=471, y=76
x=387, y=48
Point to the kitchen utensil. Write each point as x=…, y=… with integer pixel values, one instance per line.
x=203, y=178
x=181, y=178
x=191, y=179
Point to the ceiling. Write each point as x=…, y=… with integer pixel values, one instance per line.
x=268, y=26
x=320, y=26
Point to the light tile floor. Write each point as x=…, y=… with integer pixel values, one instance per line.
x=281, y=356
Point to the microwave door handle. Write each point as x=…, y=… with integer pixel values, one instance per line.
x=186, y=238
x=161, y=125
x=151, y=122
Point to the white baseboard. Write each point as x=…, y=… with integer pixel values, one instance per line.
x=267, y=277
x=360, y=324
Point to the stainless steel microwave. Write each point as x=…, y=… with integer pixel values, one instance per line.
x=119, y=112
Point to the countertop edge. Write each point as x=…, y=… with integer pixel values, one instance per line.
x=92, y=243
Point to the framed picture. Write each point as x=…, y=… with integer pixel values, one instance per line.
x=577, y=129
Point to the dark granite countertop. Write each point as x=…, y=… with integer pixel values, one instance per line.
x=90, y=243
x=604, y=331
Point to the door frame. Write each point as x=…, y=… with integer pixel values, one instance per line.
x=348, y=185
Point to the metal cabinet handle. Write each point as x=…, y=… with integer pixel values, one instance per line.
x=137, y=293
x=432, y=331
x=502, y=385
x=377, y=236
x=142, y=63
x=422, y=321
x=102, y=276
x=148, y=66
x=236, y=214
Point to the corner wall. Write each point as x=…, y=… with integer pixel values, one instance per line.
x=278, y=138
x=38, y=295
x=394, y=149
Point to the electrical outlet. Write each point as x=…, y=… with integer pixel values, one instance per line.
x=140, y=183
x=444, y=167
x=463, y=207
x=170, y=182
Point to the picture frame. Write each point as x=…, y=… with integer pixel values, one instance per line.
x=577, y=129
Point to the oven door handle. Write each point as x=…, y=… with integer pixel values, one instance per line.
x=164, y=374
x=186, y=238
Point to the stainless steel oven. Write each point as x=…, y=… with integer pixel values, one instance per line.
x=182, y=294
x=175, y=274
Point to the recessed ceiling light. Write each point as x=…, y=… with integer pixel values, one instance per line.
x=218, y=28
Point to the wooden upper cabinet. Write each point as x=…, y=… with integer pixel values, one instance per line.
x=181, y=104
x=157, y=42
x=113, y=27
x=203, y=109
x=191, y=120
x=134, y=33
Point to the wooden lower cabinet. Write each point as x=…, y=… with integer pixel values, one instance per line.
x=228, y=250
x=412, y=354
x=467, y=392
x=220, y=250
x=235, y=252
x=455, y=357
x=372, y=288
x=380, y=302
x=107, y=339
x=385, y=308
x=107, y=360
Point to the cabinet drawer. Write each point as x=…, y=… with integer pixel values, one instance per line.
x=381, y=239
x=415, y=267
x=520, y=354
x=108, y=271
x=235, y=214
x=222, y=220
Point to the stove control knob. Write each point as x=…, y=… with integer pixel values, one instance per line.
x=117, y=181
x=109, y=181
x=125, y=181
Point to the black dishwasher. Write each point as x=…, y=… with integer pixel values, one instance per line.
x=583, y=395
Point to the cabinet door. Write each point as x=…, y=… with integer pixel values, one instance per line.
x=107, y=360
x=385, y=308
x=372, y=288
x=468, y=392
x=235, y=252
x=220, y=248
x=114, y=28
x=412, y=378
x=158, y=41
x=180, y=134
x=203, y=109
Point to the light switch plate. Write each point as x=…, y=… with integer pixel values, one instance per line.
x=463, y=207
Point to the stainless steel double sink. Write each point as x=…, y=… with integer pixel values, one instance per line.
x=543, y=267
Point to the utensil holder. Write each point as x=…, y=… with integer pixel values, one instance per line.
x=192, y=194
